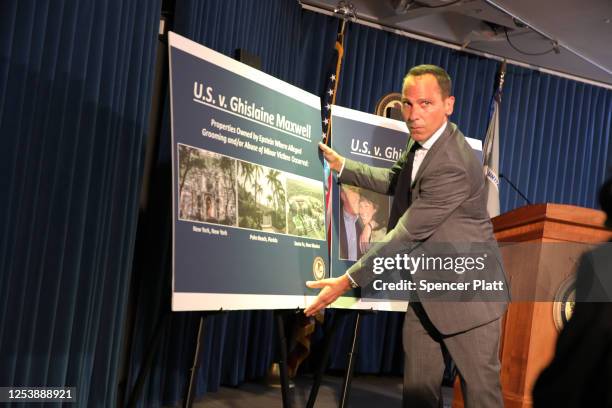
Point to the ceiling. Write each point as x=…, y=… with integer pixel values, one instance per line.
x=575, y=36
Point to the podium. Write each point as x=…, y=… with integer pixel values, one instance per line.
x=537, y=268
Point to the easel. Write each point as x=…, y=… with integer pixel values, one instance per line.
x=352, y=354
x=280, y=315
x=197, y=357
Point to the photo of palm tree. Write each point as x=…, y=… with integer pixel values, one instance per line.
x=262, y=198
x=306, y=217
x=207, y=186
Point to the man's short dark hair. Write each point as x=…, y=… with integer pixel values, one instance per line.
x=442, y=77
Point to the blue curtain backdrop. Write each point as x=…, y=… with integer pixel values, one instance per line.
x=555, y=139
x=75, y=91
x=545, y=141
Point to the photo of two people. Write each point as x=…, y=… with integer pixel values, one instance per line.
x=362, y=221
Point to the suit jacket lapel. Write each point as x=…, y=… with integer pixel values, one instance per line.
x=444, y=138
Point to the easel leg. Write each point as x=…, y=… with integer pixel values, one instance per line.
x=284, y=376
x=188, y=401
x=346, y=386
x=149, y=356
x=329, y=334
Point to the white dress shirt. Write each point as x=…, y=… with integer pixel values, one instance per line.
x=421, y=152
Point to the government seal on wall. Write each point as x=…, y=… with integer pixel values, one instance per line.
x=563, y=305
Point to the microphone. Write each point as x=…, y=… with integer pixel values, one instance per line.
x=515, y=188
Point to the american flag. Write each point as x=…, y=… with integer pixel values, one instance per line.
x=490, y=151
x=304, y=326
x=328, y=98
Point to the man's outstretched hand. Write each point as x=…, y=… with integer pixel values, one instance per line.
x=332, y=288
x=334, y=160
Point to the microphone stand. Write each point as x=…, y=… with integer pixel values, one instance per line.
x=515, y=188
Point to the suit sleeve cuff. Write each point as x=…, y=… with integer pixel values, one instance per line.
x=342, y=168
x=354, y=284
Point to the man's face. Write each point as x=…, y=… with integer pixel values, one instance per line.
x=423, y=107
x=350, y=200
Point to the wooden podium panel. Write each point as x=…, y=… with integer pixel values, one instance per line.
x=535, y=271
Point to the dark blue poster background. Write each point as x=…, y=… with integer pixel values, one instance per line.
x=248, y=191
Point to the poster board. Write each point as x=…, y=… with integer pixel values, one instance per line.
x=379, y=142
x=247, y=194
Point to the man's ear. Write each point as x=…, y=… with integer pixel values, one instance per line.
x=449, y=103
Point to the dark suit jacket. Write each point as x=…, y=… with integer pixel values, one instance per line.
x=448, y=205
x=580, y=374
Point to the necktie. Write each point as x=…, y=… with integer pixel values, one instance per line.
x=403, y=192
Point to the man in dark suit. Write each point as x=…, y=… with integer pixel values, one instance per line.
x=580, y=373
x=439, y=197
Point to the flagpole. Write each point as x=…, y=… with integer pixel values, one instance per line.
x=345, y=12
